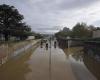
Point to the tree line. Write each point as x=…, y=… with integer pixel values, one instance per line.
x=80, y=30
x=11, y=23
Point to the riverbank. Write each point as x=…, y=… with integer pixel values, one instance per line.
x=10, y=49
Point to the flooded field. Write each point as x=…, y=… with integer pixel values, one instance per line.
x=77, y=57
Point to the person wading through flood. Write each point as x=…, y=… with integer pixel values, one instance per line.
x=46, y=46
x=55, y=44
x=41, y=43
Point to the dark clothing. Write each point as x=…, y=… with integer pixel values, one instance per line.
x=55, y=44
x=41, y=44
x=46, y=46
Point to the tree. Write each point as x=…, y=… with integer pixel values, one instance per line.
x=80, y=30
x=38, y=36
x=97, y=28
x=9, y=17
x=63, y=33
x=65, y=29
x=21, y=31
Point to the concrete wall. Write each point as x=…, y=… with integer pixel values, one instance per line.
x=63, y=43
x=76, y=43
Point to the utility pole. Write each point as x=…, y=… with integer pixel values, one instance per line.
x=50, y=61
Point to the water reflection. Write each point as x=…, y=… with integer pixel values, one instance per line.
x=15, y=69
x=77, y=55
x=92, y=65
x=75, y=52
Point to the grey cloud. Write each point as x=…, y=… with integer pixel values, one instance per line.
x=50, y=28
x=43, y=15
x=59, y=5
x=97, y=23
x=71, y=4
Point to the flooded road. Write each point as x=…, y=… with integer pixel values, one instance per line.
x=52, y=64
x=49, y=64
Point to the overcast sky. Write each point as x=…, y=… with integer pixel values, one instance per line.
x=49, y=16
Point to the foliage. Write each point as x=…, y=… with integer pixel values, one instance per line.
x=63, y=33
x=11, y=23
x=80, y=30
x=38, y=36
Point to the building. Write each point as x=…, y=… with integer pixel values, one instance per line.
x=30, y=37
x=96, y=34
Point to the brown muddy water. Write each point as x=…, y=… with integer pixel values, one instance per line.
x=77, y=57
x=15, y=68
x=34, y=65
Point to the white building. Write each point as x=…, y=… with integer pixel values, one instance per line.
x=30, y=37
x=96, y=34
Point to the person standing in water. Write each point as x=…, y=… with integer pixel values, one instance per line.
x=55, y=44
x=41, y=43
x=46, y=46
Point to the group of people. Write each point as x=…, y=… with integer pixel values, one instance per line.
x=47, y=44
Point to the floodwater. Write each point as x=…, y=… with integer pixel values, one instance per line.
x=53, y=64
x=83, y=65
x=15, y=68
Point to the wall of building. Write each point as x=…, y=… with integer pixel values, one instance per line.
x=96, y=34
x=30, y=37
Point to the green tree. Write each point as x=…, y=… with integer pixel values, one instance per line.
x=64, y=33
x=21, y=31
x=9, y=17
x=80, y=30
x=38, y=36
